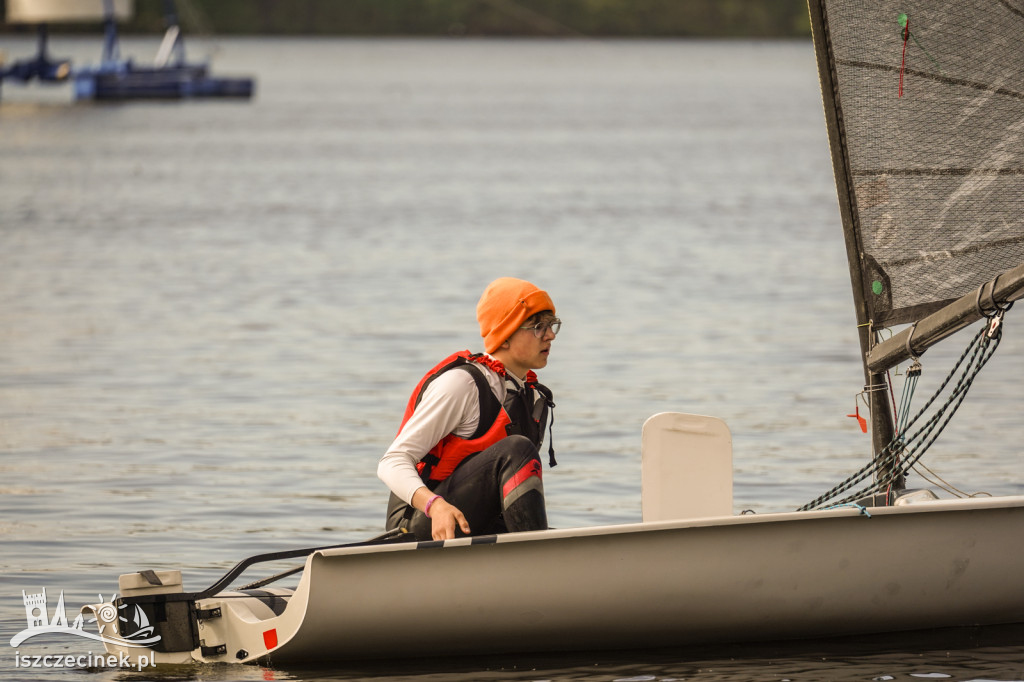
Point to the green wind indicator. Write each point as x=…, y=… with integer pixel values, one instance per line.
x=877, y=288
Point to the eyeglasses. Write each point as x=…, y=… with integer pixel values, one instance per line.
x=541, y=328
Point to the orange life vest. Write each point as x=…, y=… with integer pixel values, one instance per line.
x=521, y=414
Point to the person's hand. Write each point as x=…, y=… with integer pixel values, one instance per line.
x=444, y=518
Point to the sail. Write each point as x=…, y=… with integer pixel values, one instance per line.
x=65, y=11
x=925, y=105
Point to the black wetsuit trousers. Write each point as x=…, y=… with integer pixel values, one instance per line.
x=498, y=490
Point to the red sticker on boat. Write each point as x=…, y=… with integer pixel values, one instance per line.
x=270, y=638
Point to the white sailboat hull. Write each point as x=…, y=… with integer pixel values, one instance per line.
x=727, y=579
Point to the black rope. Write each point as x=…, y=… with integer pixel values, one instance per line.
x=900, y=455
x=394, y=535
x=273, y=578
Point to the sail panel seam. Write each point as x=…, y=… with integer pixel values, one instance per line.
x=974, y=85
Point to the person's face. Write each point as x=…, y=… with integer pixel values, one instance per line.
x=528, y=348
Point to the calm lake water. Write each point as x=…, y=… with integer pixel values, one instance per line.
x=212, y=313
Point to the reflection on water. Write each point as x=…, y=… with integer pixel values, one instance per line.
x=975, y=654
x=211, y=313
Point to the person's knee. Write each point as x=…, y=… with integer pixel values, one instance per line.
x=520, y=446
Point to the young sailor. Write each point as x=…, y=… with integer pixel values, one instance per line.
x=466, y=457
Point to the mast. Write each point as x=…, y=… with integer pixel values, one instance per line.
x=111, y=46
x=875, y=382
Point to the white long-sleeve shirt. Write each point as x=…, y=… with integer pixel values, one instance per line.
x=449, y=404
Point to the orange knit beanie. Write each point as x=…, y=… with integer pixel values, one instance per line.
x=506, y=303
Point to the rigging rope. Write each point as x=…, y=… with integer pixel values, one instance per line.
x=900, y=455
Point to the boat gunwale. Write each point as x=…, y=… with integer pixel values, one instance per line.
x=931, y=506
